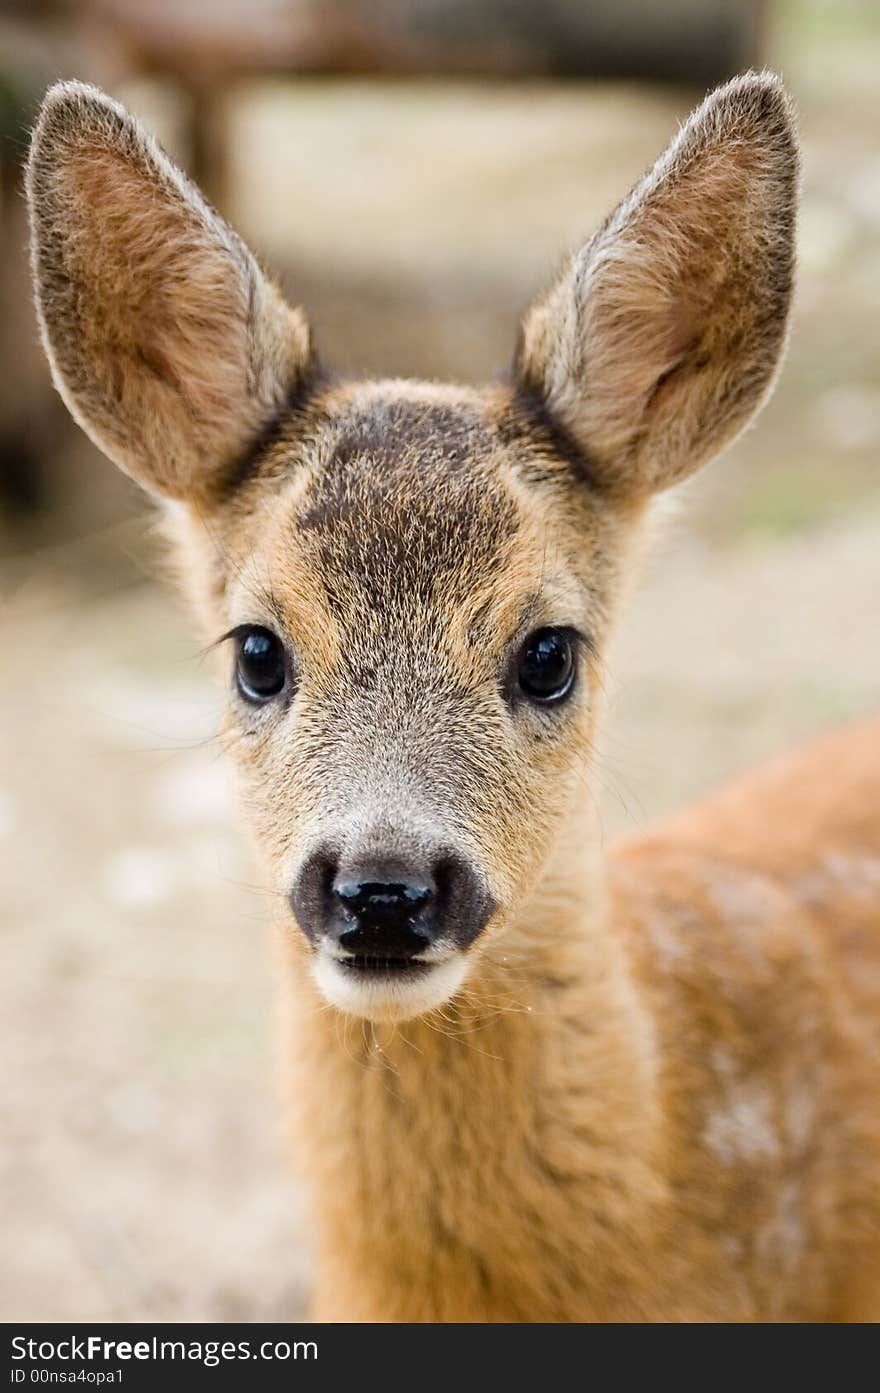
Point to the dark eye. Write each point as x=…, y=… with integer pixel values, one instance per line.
x=547, y=665
x=261, y=671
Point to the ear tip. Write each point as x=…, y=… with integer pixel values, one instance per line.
x=756, y=102
x=72, y=99
x=755, y=82
x=760, y=93
x=69, y=110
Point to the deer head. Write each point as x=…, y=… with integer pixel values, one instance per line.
x=416, y=582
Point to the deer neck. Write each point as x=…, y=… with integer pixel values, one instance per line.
x=531, y=1095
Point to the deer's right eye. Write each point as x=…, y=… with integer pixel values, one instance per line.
x=261, y=666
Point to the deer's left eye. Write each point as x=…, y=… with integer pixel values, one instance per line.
x=261, y=668
x=547, y=665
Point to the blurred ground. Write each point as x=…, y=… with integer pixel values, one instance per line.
x=144, y=1175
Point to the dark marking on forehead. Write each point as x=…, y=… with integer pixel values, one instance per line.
x=444, y=436
x=409, y=504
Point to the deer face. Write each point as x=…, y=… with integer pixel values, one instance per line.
x=415, y=583
x=416, y=604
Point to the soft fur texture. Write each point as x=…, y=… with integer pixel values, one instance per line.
x=651, y=1091
x=663, y=335
x=168, y=344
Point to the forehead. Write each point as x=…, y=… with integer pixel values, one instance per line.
x=401, y=502
x=401, y=494
x=410, y=497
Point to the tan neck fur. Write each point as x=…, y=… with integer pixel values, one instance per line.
x=521, y=1112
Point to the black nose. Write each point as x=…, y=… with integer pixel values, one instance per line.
x=380, y=917
x=389, y=906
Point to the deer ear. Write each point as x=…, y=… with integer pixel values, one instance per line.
x=663, y=336
x=169, y=346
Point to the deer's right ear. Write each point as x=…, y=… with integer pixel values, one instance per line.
x=168, y=344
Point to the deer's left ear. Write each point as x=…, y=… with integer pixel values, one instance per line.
x=663, y=336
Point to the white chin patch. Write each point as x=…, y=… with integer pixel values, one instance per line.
x=388, y=996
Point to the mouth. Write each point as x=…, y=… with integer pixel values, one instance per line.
x=387, y=989
x=376, y=967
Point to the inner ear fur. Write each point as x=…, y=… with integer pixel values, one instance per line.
x=169, y=345
x=663, y=336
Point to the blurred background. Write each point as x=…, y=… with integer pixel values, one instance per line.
x=413, y=169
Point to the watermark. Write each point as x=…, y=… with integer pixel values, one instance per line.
x=27, y=1352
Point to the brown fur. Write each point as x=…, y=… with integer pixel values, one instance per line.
x=652, y=1093
x=154, y=305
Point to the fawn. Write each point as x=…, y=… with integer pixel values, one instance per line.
x=582, y=1086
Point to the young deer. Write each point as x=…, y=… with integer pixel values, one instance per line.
x=633, y=1086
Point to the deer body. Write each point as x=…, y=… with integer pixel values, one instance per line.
x=530, y=1081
